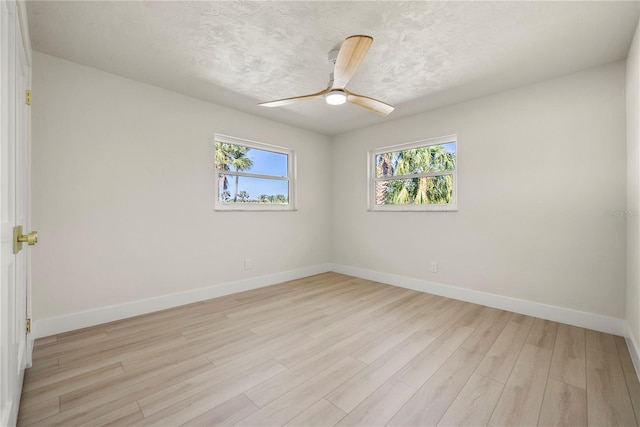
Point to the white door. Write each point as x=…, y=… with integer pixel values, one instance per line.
x=13, y=212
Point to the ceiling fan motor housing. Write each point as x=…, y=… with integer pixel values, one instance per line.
x=333, y=56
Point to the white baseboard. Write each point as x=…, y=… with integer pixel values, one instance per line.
x=56, y=325
x=582, y=319
x=634, y=350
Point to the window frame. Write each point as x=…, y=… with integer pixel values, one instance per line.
x=256, y=207
x=372, y=179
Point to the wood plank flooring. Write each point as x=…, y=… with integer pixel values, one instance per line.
x=331, y=350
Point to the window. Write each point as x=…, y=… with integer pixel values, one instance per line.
x=253, y=176
x=419, y=176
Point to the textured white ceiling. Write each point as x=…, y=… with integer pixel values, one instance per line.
x=424, y=54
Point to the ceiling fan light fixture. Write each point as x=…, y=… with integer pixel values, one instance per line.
x=335, y=97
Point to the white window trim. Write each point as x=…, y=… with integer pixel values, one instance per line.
x=371, y=172
x=257, y=207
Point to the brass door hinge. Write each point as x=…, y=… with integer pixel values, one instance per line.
x=28, y=326
x=28, y=97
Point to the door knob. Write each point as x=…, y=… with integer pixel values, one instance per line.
x=30, y=239
x=19, y=238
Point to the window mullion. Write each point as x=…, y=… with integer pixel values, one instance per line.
x=254, y=175
x=412, y=176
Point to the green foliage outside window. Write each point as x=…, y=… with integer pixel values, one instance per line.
x=401, y=188
x=234, y=159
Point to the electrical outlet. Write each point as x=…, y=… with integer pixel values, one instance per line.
x=434, y=267
x=247, y=264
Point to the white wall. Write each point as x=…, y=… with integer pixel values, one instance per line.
x=539, y=167
x=633, y=191
x=123, y=194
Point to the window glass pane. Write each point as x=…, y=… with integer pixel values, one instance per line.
x=232, y=157
x=243, y=189
x=425, y=190
x=433, y=158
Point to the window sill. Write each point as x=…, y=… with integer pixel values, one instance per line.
x=257, y=209
x=404, y=209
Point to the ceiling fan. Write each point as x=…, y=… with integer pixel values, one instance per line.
x=346, y=60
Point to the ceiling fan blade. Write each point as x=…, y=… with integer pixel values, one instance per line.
x=352, y=52
x=370, y=104
x=287, y=101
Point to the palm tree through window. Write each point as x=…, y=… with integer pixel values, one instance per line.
x=415, y=176
x=251, y=174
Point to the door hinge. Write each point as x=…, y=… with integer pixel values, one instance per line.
x=28, y=97
x=28, y=326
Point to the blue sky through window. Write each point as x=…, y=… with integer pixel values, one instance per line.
x=267, y=162
x=449, y=147
x=264, y=162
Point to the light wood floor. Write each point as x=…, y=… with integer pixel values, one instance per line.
x=331, y=349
